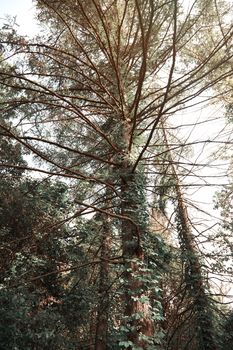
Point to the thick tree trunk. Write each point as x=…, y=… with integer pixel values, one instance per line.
x=137, y=309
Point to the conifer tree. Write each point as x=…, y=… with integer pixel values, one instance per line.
x=91, y=96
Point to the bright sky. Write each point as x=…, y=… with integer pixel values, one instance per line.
x=24, y=10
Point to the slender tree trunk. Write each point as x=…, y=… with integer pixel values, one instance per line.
x=104, y=300
x=196, y=281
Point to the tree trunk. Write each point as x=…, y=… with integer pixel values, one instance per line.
x=104, y=300
x=137, y=309
x=197, y=284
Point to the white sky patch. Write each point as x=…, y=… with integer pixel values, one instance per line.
x=24, y=13
x=208, y=134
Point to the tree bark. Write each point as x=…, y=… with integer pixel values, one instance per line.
x=196, y=281
x=137, y=311
x=197, y=284
x=104, y=300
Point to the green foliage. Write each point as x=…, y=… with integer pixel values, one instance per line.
x=31, y=310
x=227, y=334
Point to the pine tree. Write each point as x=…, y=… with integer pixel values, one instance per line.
x=95, y=90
